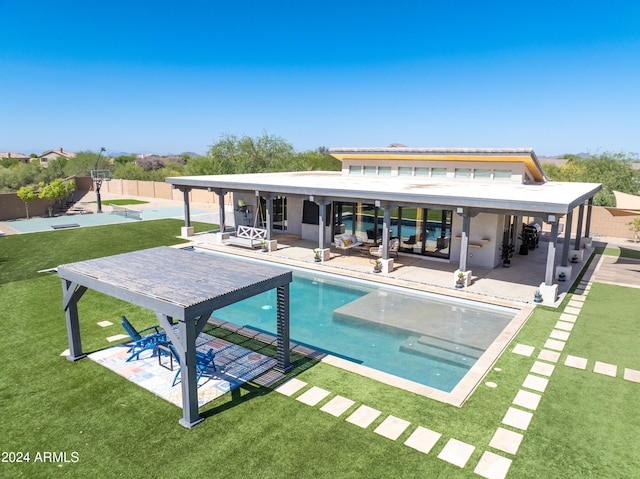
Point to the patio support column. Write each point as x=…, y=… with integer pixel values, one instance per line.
x=221, y=213
x=386, y=222
x=322, y=208
x=72, y=293
x=551, y=255
x=464, y=243
x=587, y=228
x=576, y=245
x=268, y=199
x=283, y=345
x=566, y=244
x=187, y=212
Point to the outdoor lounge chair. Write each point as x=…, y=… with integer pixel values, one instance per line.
x=143, y=343
x=394, y=245
x=203, y=361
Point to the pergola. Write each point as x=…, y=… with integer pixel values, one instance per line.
x=178, y=286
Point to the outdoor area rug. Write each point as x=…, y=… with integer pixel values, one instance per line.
x=234, y=366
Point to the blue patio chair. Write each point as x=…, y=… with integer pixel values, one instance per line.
x=203, y=361
x=143, y=343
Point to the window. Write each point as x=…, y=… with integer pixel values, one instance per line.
x=422, y=171
x=502, y=174
x=405, y=171
x=438, y=172
x=355, y=169
x=462, y=173
x=370, y=170
x=482, y=173
x=384, y=171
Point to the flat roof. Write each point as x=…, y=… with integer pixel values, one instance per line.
x=549, y=197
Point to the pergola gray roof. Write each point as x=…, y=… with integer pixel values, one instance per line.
x=550, y=197
x=176, y=284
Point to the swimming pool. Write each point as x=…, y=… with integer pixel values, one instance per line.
x=424, y=338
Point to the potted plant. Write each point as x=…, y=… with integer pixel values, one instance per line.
x=460, y=280
x=537, y=296
x=316, y=252
x=506, y=251
x=264, y=246
x=574, y=258
x=562, y=276
x=377, y=267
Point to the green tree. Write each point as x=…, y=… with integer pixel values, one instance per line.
x=84, y=162
x=27, y=194
x=612, y=170
x=634, y=226
x=55, y=191
x=55, y=169
x=245, y=154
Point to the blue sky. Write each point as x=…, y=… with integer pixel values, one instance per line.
x=167, y=77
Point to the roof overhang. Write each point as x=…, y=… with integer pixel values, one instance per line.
x=550, y=197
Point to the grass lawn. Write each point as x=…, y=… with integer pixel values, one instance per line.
x=124, y=202
x=586, y=424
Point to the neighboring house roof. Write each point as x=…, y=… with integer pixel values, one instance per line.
x=5, y=155
x=520, y=155
x=56, y=153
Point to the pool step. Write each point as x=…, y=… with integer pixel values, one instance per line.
x=442, y=350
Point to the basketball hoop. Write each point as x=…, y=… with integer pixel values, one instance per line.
x=98, y=176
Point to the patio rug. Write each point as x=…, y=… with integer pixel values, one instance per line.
x=235, y=365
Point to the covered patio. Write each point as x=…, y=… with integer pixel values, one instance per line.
x=183, y=290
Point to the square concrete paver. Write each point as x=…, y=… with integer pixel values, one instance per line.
x=606, y=369
x=564, y=326
x=104, y=324
x=578, y=297
x=632, y=375
x=456, y=452
x=492, y=466
x=313, y=396
x=554, y=344
x=543, y=369
x=337, y=406
x=423, y=439
x=517, y=418
x=575, y=304
x=117, y=337
x=569, y=318
x=575, y=362
x=523, y=350
x=535, y=382
x=363, y=416
x=392, y=427
x=506, y=440
x=291, y=387
x=560, y=335
x=551, y=356
x=527, y=400
x=571, y=310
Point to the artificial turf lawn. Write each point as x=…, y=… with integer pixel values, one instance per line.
x=586, y=424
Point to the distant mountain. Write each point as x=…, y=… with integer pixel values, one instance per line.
x=115, y=154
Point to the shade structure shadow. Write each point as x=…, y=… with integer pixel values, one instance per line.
x=235, y=365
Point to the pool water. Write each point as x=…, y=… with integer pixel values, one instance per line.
x=430, y=339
